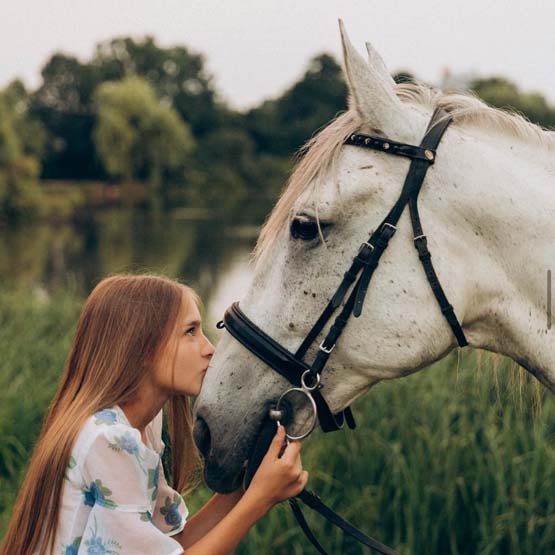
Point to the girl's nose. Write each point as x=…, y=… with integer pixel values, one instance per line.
x=208, y=349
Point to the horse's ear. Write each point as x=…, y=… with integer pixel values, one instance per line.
x=371, y=90
x=376, y=62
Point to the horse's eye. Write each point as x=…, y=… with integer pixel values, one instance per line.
x=306, y=228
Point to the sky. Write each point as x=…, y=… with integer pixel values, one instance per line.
x=255, y=49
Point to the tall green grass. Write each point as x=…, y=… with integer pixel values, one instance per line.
x=35, y=334
x=457, y=459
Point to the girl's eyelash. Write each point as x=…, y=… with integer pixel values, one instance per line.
x=189, y=330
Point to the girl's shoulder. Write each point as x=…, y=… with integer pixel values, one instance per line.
x=110, y=427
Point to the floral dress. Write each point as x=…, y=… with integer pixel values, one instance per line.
x=116, y=500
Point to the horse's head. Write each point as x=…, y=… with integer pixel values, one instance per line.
x=337, y=195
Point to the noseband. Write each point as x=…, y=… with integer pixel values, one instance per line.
x=306, y=377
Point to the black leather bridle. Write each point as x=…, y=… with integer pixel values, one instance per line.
x=306, y=377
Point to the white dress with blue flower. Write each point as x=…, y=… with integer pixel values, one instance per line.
x=116, y=500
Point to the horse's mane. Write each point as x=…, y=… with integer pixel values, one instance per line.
x=319, y=155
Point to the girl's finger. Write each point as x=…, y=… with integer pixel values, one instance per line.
x=277, y=442
x=292, y=451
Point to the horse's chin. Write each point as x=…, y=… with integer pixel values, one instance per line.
x=224, y=479
x=224, y=470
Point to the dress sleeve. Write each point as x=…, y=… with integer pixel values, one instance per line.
x=120, y=485
x=170, y=512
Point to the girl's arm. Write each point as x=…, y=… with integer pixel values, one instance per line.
x=225, y=536
x=207, y=517
x=279, y=477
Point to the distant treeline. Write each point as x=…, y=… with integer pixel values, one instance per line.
x=137, y=112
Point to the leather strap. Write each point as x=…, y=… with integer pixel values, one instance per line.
x=263, y=346
x=421, y=245
x=301, y=520
x=391, y=147
x=264, y=438
x=315, y=503
x=378, y=241
x=282, y=361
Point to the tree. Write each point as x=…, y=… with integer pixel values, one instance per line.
x=503, y=93
x=281, y=126
x=136, y=135
x=29, y=130
x=64, y=103
x=19, y=192
x=177, y=74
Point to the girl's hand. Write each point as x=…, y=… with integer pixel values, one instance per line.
x=279, y=478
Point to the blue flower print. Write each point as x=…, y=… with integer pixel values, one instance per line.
x=146, y=516
x=105, y=416
x=126, y=442
x=73, y=549
x=98, y=546
x=129, y=444
x=70, y=465
x=153, y=477
x=97, y=493
x=171, y=513
x=90, y=495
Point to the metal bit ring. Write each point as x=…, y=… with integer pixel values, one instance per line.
x=312, y=404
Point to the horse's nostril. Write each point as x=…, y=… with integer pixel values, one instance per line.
x=201, y=435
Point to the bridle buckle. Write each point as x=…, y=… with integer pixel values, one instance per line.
x=326, y=350
x=364, y=246
x=391, y=226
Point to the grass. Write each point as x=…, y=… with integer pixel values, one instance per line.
x=456, y=459
x=34, y=340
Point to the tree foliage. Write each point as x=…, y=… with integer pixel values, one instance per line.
x=136, y=110
x=136, y=135
x=65, y=100
x=503, y=93
x=283, y=125
x=63, y=103
x=30, y=131
x=19, y=192
x=177, y=74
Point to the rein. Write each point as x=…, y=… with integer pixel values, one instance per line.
x=305, y=377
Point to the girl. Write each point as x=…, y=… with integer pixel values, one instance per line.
x=95, y=484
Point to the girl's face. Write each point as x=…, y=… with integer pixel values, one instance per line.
x=189, y=360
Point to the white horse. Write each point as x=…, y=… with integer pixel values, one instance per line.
x=488, y=210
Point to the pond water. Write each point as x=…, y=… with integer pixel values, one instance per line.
x=209, y=252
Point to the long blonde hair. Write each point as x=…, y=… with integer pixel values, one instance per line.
x=126, y=323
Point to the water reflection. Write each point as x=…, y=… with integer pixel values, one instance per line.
x=209, y=253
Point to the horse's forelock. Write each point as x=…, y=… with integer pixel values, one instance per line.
x=317, y=161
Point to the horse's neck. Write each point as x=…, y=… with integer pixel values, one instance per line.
x=513, y=217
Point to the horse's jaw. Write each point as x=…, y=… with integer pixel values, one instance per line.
x=227, y=421
x=224, y=476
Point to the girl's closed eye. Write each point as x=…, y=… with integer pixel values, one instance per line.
x=192, y=327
